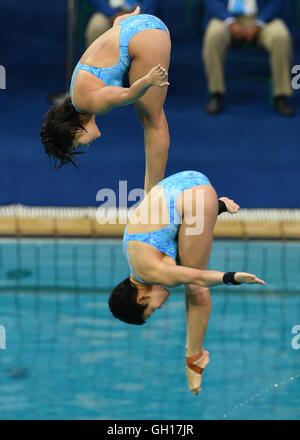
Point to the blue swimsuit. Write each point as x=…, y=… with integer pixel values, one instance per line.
x=165, y=240
x=113, y=76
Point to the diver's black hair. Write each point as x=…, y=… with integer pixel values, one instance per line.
x=123, y=304
x=61, y=124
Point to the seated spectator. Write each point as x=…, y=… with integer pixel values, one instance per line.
x=106, y=11
x=249, y=21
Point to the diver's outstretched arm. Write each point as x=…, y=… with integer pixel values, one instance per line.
x=173, y=276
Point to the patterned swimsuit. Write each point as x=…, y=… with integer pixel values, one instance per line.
x=165, y=239
x=113, y=76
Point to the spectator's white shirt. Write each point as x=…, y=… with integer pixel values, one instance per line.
x=242, y=7
x=115, y=3
x=124, y=4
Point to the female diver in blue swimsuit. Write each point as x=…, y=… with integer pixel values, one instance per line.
x=140, y=45
x=175, y=224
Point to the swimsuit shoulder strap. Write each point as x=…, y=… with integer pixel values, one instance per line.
x=126, y=251
x=77, y=68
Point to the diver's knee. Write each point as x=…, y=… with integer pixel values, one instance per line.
x=200, y=294
x=153, y=119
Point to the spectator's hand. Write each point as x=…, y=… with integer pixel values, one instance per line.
x=251, y=32
x=124, y=14
x=237, y=30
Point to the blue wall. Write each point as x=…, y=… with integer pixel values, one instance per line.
x=249, y=152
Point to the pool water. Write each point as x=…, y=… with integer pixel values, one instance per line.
x=66, y=357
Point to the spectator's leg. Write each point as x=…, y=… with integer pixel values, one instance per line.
x=276, y=39
x=97, y=25
x=217, y=39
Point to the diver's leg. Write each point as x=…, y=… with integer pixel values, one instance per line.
x=148, y=49
x=194, y=251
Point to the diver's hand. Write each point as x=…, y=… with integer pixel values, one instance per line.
x=231, y=206
x=158, y=76
x=194, y=379
x=136, y=11
x=248, y=278
x=121, y=15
